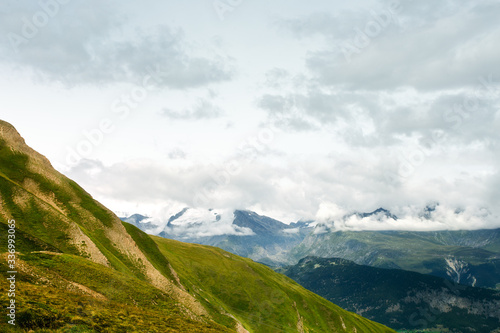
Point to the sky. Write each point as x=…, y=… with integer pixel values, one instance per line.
x=294, y=110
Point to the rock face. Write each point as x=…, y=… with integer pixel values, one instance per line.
x=400, y=299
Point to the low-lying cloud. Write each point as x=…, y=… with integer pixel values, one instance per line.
x=435, y=217
x=320, y=190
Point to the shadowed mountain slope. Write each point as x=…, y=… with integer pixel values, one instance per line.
x=399, y=299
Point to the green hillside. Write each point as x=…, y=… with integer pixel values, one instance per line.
x=67, y=293
x=80, y=269
x=257, y=296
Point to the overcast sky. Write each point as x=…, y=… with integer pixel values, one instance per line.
x=293, y=109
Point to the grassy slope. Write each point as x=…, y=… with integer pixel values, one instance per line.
x=261, y=299
x=48, y=301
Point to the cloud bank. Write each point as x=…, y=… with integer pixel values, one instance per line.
x=295, y=111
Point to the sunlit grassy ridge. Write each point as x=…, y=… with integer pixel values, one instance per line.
x=262, y=299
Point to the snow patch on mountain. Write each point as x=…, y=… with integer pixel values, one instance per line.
x=194, y=223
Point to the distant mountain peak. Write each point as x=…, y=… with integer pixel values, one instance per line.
x=258, y=223
x=428, y=210
x=138, y=216
x=176, y=216
x=378, y=212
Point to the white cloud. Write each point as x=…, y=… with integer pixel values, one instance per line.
x=411, y=218
x=329, y=212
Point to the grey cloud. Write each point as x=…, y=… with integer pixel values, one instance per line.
x=492, y=193
x=320, y=108
x=203, y=109
x=177, y=154
x=285, y=111
x=277, y=77
x=203, y=223
x=151, y=182
x=431, y=47
x=329, y=25
x=83, y=44
x=408, y=146
x=366, y=118
x=409, y=218
x=450, y=118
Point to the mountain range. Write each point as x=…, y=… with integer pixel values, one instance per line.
x=470, y=257
x=81, y=269
x=258, y=237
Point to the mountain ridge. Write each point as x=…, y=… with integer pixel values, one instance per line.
x=470, y=257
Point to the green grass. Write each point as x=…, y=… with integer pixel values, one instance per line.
x=261, y=299
x=131, y=305
x=150, y=250
x=35, y=218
